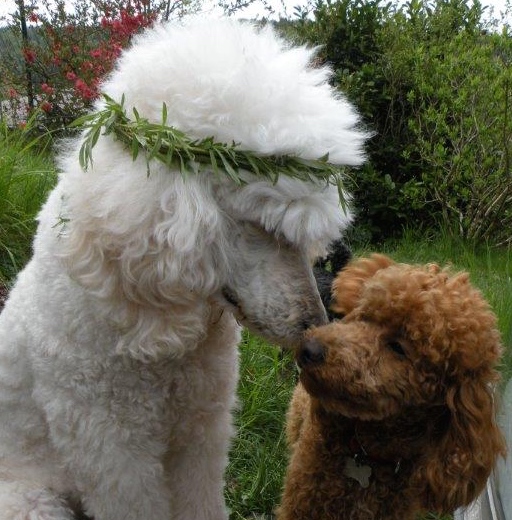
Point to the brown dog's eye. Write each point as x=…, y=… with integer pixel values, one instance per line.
x=396, y=348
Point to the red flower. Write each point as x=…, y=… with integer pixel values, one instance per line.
x=30, y=55
x=47, y=89
x=85, y=90
x=87, y=65
x=46, y=106
x=96, y=53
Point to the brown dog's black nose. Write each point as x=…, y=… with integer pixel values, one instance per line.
x=311, y=351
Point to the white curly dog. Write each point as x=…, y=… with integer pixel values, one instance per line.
x=118, y=343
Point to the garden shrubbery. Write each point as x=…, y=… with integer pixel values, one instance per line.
x=60, y=55
x=433, y=81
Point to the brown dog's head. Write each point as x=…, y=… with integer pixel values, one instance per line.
x=413, y=338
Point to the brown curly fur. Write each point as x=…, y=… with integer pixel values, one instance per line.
x=406, y=376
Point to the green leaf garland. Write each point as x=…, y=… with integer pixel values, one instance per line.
x=172, y=147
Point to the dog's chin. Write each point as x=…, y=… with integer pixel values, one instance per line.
x=287, y=342
x=339, y=401
x=315, y=386
x=227, y=300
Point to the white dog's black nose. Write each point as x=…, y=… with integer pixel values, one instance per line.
x=311, y=351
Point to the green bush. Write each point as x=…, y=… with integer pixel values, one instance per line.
x=435, y=88
x=458, y=94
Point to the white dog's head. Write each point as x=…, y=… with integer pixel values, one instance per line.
x=167, y=244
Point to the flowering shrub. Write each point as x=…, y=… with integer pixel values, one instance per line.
x=83, y=62
x=67, y=52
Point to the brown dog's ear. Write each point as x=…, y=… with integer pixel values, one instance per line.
x=347, y=286
x=457, y=467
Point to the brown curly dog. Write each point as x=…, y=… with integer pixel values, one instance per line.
x=394, y=412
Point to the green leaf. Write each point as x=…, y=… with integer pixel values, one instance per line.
x=230, y=170
x=135, y=149
x=213, y=161
x=95, y=135
x=164, y=114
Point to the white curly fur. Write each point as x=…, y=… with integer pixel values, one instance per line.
x=118, y=360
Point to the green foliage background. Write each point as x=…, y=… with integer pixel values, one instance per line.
x=432, y=80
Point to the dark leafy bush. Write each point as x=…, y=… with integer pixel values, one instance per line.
x=434, y=85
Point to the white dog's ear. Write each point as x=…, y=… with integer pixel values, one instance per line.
x=144, y=247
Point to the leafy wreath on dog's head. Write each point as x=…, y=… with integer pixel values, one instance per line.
x=172, y=147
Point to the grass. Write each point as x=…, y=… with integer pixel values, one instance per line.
x=258, y=458
x=26, y=175
x=259, y=454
